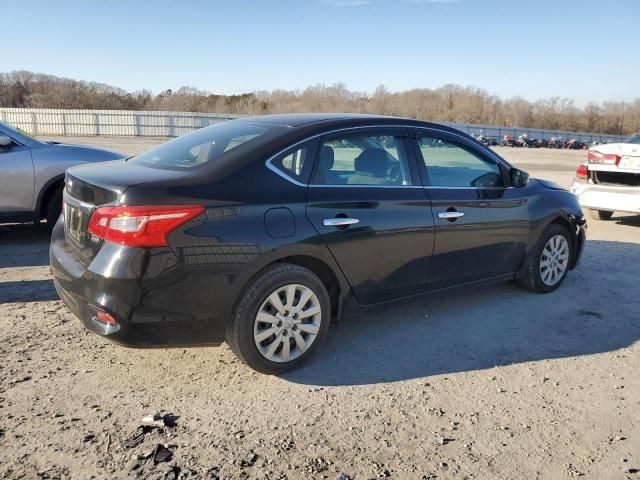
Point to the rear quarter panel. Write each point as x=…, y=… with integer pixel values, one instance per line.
x=51, y=160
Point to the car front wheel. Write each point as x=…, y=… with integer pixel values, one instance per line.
x=547, y=264
x=281, y=319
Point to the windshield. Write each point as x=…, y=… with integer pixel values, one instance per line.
x=201, y=146
x=11, y=129
x=633, y=139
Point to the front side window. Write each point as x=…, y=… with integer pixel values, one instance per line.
x=451, y=164
x=376, y=160
x=10, y=129
x=202, y=146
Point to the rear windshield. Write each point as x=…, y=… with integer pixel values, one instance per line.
x=633, y=139
x=201, y=146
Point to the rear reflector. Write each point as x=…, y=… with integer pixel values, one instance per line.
x=140, y=225
x=606, y=158
x=583, y=171
x=106, y=318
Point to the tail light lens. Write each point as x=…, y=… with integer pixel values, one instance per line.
x=583, y=171
x=607, y=158
x=140, y=225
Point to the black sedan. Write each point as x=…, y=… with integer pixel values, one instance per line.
x=260, y=231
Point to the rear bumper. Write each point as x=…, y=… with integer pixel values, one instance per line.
x=610, y=198
x=154, y=302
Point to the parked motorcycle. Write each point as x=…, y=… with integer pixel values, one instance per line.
x=508, y=141
x=556, y=142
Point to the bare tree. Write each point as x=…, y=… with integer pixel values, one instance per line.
x=449, y=103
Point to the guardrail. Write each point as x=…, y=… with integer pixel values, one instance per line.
x=38, y=121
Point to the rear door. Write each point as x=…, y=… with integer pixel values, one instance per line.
x=16, y=178
x=481, y=223
x=366, y=202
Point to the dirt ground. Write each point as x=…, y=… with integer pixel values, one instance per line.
x=495, y=383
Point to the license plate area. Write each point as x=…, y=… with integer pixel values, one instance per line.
x=73, y=218
x=632, y=163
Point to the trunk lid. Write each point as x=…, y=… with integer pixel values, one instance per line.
x=629, y=154
x=88, y=187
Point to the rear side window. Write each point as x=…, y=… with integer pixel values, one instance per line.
x=202, y=146
x=362, y=160
x=296, y=164
x=452, y=164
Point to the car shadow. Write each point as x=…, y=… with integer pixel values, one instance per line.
x=594, y=311
x=633, y=220
x=26, y=291
x=24, y=245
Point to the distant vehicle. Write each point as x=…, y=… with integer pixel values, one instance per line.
x=610, y=179
x=508, y=141
x=259, y=231
x=486, y=140
x=32, y=174
x=575, y=144
x=556, y=142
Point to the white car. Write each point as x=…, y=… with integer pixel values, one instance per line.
x=610, y=179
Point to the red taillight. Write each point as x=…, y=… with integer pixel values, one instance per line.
x=140, y=225
x=583, y=171
x=608, y=158
x=106, y=318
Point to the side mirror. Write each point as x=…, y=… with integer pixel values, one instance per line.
x=5, y=141
x=519, y=178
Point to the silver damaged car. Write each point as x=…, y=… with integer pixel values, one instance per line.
x=32, y=174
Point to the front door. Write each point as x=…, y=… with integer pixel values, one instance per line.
x=481, y=224
x=16, y=179
x=366, y=203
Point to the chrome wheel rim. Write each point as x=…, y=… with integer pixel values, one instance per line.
x=287, y=323
x=554, y=260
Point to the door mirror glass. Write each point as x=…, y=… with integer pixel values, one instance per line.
x=5, y=141
x=519, y=178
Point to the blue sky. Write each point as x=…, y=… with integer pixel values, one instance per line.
x=586, y=50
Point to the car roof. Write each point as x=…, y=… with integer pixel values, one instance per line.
x=331, y=120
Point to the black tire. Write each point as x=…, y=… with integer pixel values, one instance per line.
x=240, y=332
x=600, y=214
x=530, y=277
x=53, y=208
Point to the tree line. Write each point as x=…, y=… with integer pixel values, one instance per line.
x=449, y=103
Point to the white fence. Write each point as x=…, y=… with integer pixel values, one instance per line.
x=172, y=124
x=38, y=121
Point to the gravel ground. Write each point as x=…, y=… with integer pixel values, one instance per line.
x=497, y=383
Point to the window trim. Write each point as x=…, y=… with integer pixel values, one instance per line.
x=454, y=138
x=415, y=161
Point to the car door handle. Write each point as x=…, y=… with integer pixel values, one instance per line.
x=450, y=215
x=339, y=221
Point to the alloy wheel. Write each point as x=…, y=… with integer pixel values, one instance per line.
x=287, y=323
x=554, y=260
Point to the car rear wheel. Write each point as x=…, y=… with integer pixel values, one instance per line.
x=280, y=321
x=600, y=214
x=547, y=264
